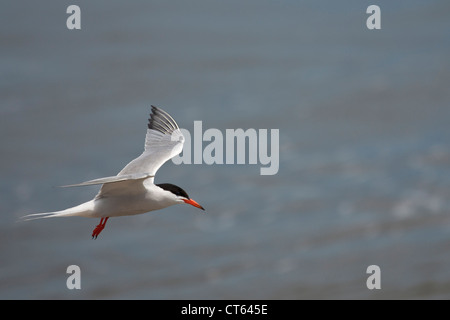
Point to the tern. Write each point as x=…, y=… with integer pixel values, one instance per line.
x=132, y=191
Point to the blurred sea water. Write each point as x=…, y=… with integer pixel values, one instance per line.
x=364, y=148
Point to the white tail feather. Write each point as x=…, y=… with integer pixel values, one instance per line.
x=82, y=210
x=35, y=216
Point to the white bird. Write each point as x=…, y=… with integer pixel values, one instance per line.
x=132, y=191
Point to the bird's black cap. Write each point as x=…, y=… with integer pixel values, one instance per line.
x=179, y=192
x=174, y=189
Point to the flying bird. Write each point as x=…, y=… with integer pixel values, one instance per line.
x=133, y=190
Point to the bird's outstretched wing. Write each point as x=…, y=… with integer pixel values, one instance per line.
x=110, y=180
x=163, y=141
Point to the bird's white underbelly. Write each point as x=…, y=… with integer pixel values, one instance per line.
x=126, y=206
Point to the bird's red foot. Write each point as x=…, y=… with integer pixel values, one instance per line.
x=99, y=227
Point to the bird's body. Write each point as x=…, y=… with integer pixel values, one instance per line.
x=132, y=191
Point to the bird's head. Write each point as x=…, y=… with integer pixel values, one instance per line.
x=180, y=195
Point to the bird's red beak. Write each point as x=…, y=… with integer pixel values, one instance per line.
x=193, y=203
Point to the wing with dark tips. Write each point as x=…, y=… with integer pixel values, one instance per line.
x=163, y=141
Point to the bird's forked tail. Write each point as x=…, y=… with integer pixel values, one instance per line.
x=82, y=210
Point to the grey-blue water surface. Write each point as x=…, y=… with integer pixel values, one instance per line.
x=364, y=171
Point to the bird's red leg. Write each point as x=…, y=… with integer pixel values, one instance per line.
x=99, y=227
